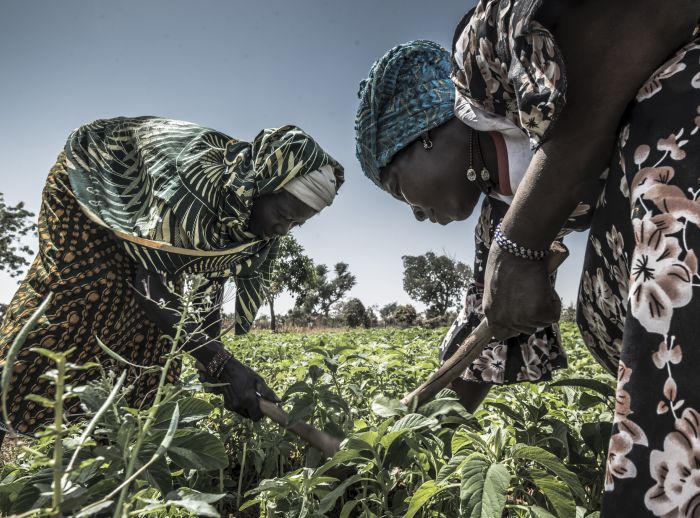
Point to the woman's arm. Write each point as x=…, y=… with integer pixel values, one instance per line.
x=610, y=48
x=243, y=386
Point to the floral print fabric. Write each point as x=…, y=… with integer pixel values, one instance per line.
x=505, y=62
x=639, y=299
x=520, y=358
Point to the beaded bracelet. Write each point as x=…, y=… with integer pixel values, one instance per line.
x=515, y=249
x=216, y=365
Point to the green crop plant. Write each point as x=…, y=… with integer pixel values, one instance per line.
x=531, y=450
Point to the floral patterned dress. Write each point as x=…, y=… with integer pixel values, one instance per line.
x=639, y=298
x=520, y=358
x=482, y=63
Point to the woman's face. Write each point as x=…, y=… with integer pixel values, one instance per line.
x=433, y=182
x=276, y=213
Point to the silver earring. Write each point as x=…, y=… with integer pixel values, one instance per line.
x=427, y=143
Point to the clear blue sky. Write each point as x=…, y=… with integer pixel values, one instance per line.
x=238, y=67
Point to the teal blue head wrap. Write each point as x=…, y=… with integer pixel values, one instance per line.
x=408, y=92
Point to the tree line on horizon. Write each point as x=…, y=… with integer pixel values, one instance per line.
x=320, y=292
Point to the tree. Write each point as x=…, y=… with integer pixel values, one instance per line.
x=387, y=313
x=15, y=222
x=568, y=314
x=436, y=281
x=354, y=314
x=405, y=315
x=371, y=320
x=324, y=292
x=393, y=314
x=292, y=271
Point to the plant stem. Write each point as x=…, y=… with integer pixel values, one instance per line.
x=240, y=476
x=143, y=431
x=58, y=439
x=93, y=424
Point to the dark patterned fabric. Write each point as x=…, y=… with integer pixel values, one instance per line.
x=520, y=358
x=505, y=62
x=178, y=195
x=89, y=275
x=639, y=301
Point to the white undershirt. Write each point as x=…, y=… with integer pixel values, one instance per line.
x=516, y=140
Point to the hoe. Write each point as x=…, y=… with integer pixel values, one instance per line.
x=468, y=351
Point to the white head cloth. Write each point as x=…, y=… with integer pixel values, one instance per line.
x=316, y=189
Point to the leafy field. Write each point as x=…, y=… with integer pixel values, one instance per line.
x=529, y=451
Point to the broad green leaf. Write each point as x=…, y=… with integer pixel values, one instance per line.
x=439, y=407
x=185, y=493
x=496, y=484
x=200, y=450
x=369, y=437
x=386, y=407
x=91, y=510
x=582, y=512
x=540, y=512
x=197, y=507
x=446, y=394
x=413, y=422
x=298, y=387
x=341, y=457
x=158, y=475
x=328, y=501
x=587, y=400
x=592, y=384
x=348, y=508
x=452, y=466
x=302, y=409
x=422, y=495
x=464, y=439
x=472, y=486
x=45, y=402
x=390, y=437
x=192, y=410
x=551, y=463
x=596, y=435
x=25, y=499
x=170, y=433
x=249, y=503
x=560, y=434
x=558, y=495
x=505, y=409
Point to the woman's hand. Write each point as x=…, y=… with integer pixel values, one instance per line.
x=244, y=388
x=518, y=294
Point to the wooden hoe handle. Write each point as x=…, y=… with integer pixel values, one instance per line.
x=449, y=371
x=319, y=439
x=471, y=347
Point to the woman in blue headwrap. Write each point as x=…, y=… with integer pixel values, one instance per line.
x=134, y=204
x=572, y=115
x=410, y=144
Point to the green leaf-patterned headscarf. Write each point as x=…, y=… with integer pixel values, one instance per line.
x=179, y=184
x=179, y=195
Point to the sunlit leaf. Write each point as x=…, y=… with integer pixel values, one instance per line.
x=552, y=464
